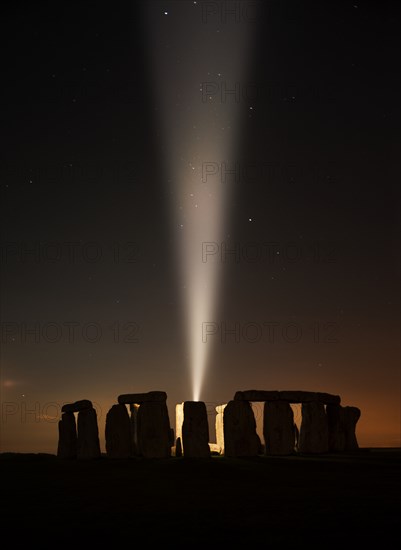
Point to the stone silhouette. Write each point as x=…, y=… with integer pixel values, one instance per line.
x=336, y=427
x=88, y=435
x=178, y=447
x=326, y=426
x=314, y=433
x=119, y=440
x=351, y=417
x=67, y=442
x=239, y=425
x=342, y=423
x=195, y=430
x=278, y=428
x=153, y=430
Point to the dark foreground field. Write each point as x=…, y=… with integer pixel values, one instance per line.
x=332, y=501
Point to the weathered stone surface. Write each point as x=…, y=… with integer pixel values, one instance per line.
x=77, y=406
x=153, y=430
x=178, y=447
x=240, y=437
x=351, y=417
x=67, y=440
x=195, y=430
x=119, y=440
x=289, y=396
x=313, y=437
x=88, y=435
x=128, y=398
x=220, y=427
x=278, y=428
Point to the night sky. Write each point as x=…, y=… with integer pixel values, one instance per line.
x=107, y=131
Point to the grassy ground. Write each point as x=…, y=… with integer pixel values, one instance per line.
x=320, y=502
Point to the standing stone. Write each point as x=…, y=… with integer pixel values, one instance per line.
x=342, y=423
x=67, y=441
x=178, y=448
x=313, y=437
x=88, y=435
x=278, y=428
x=240, y=437
x=153, y=430
x=220, y=427
x=134, y=424
x=336, y=427
x=351, y=417
x=195, y=430
x=118, y=433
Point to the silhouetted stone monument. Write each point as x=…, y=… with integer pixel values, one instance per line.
x=88, y=435
x=119, y=441
x=67, y=441
x=326, y=425
x=278, y=428
x=153, y=430
x=313, y=437
x=239, y=426
x=195, y=430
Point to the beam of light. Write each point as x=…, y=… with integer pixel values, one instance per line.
x=194, y=60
